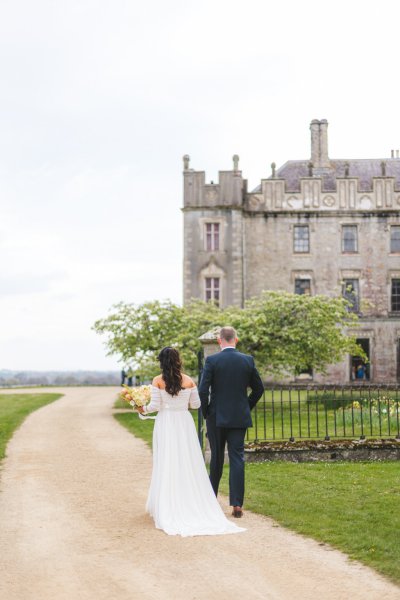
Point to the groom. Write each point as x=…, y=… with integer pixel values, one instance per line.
x=229, y=374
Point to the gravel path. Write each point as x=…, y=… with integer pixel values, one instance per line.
x=73, y=527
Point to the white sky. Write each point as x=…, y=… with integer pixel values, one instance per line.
x=100, y=100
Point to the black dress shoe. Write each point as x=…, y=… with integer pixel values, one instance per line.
x=237, y=512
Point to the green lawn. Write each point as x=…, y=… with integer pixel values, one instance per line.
x=142, y=429
x=13, y=410
x=352, y=506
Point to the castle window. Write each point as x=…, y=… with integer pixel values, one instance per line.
x=351, y=292
x=395, y=238
x=395, y=295
x=349, y=238
x=302, y=286
x=301, y=240
x=212, y=237
x=212, y=289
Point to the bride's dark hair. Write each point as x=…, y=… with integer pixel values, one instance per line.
x=171, y=367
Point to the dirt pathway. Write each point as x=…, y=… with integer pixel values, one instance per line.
x=73, y=527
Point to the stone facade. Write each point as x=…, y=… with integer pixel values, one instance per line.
x=313, y=226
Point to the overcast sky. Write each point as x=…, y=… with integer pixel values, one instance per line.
x=100, y=100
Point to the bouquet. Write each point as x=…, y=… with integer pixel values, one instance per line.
x=138, y=396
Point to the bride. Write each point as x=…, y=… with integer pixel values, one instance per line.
x=181, y=499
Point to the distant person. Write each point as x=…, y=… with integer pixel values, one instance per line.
x=129, y=375
x=360, y=373
x=123, y=377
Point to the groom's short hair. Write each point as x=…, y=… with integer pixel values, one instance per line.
x=227, y=333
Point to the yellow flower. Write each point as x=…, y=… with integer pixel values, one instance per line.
x=139, y=396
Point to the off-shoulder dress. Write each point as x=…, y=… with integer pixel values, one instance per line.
x=181, y=499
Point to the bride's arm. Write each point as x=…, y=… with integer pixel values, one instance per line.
x=194, y=399
x=155, y=401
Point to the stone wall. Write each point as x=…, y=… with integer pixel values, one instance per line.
x=227, y=263
x=332, y=451
x=271, y=263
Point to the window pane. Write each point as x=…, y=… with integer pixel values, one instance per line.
x=216, y=236
x=395, y=295
x=395, y=239
x=208, y=237
x=212, y=289
x=212, y=236
x=351, y=293
x=301, y=238
x=302, y=286
x=349, y=238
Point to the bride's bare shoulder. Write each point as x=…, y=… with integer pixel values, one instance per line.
x=187, y=382
x=158, y=382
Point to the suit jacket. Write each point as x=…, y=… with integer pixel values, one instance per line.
x=229, y=374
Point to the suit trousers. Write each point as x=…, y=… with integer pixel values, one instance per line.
x=218, y=437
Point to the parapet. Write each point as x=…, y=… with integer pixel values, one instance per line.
x=228, y=192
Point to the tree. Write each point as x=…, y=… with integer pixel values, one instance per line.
x=291, y=333
x=137, y=333
x=286, y=333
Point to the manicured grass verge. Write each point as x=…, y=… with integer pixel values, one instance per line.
x=121, y=404
x=13, y=410
x=142, y=429
x=130, y=420
x=352, y=506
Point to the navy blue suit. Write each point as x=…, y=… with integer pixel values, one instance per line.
x=229, y=374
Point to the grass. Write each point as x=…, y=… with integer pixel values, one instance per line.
x=130, y=420
x=13, y=410
x=352, y=506
x=139, y=428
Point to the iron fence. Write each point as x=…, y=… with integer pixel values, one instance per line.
x=325, y=412
x=298, y=412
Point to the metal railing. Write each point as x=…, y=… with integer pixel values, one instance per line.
x=298, y=412
x=325, y=412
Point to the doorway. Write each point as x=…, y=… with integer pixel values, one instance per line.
x=360, y=370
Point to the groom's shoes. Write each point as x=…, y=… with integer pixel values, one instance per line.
x=237, y=512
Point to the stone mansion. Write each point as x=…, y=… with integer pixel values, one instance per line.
x=315, y=226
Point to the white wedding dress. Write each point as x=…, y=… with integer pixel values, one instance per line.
x=181, y=499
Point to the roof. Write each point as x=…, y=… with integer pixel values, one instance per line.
x=364, y=169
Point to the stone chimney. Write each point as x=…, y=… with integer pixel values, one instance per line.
x=314, y=126
x=319, y=143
